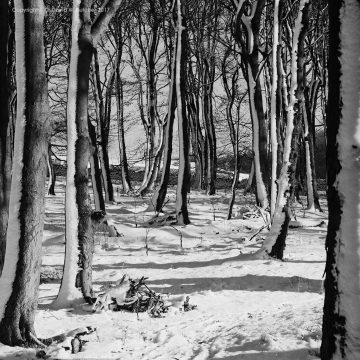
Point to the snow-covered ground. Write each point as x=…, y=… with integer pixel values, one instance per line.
x=246, y=309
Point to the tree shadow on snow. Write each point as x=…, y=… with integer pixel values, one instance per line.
x=300, y=354
x=173, y=265
x=241, y=283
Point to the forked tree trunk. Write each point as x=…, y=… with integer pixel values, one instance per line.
x=5, y=150
x=154, y=167
x=159, y=196
x=341, y=321
x=252, y=23
x=20, y=279
x=104, y=124
x=275, y=240
x=76, y=283
x=51, y=172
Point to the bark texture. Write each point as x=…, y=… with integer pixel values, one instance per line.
x=32, y=135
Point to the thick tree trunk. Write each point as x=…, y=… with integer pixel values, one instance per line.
x=5, y=150
x=20, y=279
x=341, y=321
x=79, y=233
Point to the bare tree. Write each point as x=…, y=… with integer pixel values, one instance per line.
x=341, y=324
x=79, y=225
x=20, y=279
x=5, y=144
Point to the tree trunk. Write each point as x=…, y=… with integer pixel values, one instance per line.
x=52, y=175
x=273, y=132
x=79, y=232
x=341, y=322
x=160, y=194
x=183, y=183
x=310, y=108
x=278, y=231
x=104, y=124
x=95, y=171
x=235, y=181
x=125, y=177
x=20, y=279
x=207, y=93
x=5, y=150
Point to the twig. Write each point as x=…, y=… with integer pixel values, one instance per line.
x=257, y=232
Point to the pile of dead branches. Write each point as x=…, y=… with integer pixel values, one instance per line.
x=133, y=296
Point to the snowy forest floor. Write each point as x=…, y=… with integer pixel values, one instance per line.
x=246, y=309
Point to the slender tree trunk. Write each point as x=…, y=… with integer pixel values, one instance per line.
x=197, y=139
x=273, y=123
x=52, y=175
x=341, y=322
x=125, y=176
x=95, y=171
x=104, y=122
x=20, y=279
x=310, y=108
x=183, y=183
x=207, y=93
x=5, y=151
x=235, y=181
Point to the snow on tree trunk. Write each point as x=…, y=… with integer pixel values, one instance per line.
x=281, y=212
x=20, y=279
x=5, y=153
x=79, y=232
x=273, y=123
x=183, y=182
x=341, y=321
x=68, y=291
